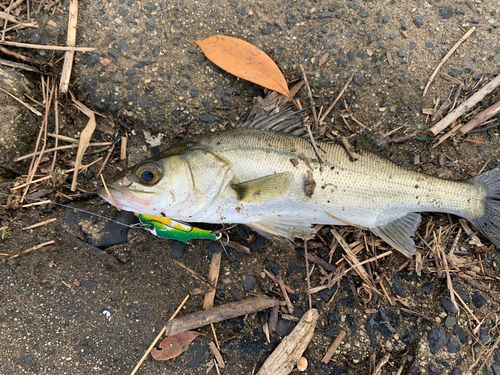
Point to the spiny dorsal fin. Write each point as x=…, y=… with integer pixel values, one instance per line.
x=287, y=121
x=369, y=141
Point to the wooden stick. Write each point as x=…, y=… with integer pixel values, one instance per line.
x=285, y=295
x=158, y=337
x=480, y=118
x=70, y=41
x=465, y=106
x=285, y=356
x=275, y=280
x=213, y=276
x=450, y=52
x=53, y=48
x=32, y=248
x=218, y=357
x=60, y=148
x=331, y=350
x=219, y=313
x=9, y=18
x=352, y=257
x=383, y=361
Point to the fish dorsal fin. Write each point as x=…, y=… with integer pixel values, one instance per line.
x=371, y=142
x=287, y=121
x=264, y=189
x=398, y=233
x=283, y=228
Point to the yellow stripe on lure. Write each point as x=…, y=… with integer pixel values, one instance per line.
x=164, y=227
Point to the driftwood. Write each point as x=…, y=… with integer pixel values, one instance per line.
x=285, y=356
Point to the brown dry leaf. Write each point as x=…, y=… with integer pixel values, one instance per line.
x=85, y=137
x=246, y=61
x=174, y=345
x=323, y=59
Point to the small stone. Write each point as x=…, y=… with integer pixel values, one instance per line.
x=484, y=337
x=114, y=53
x=437, y=339
x=325, y=15
x=27, y=359
x=401, y=53
x=193, y=92
x=398, y=287
x=353, y=5
x=463, y=294
x=358, y=79
x=456, y=371
x=448, y=305
x=363, y=13
x=450, y=321
x=412, y=45
x=341, y=63
x=118, y=77
x=178, y=249
x=265, y=32
x=156, y=51
x=417, y=21
x=130, y=72
x=150, y=24
x=478, y=300
x=446, y=11
x=430, y=45
x=386, y=18
x=207, y=119
x=285, y=327
x=408, y=337
x=460, y=10
x=393, y=36
x=462, y=335
x=242, y=11
x=404, y=26
x=453, y=346
x=248, y=282
x=89, y=284
x=122, y=46
x=469, y=4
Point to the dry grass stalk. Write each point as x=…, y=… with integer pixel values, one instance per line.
x=331, y=350
x=308, y=275
x=442, y=255
x=44, y=47
x=275, y=280
x=158, y=337
x=70, y=41
x=480, y=118
x=31, y=108
x=322, y=119
x=109, y=194
x=450, y=52
x=381, y=364
x=40, y=224
x=289, y=304
x=32, y=249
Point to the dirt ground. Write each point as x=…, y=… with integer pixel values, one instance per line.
x=94, y=300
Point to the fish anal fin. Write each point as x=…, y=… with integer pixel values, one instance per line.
x=270, y=228
x=398, y=233
x=264, y=189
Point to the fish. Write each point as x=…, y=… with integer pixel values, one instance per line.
x=266, y=174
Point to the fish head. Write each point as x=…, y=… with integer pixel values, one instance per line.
x=156, y=186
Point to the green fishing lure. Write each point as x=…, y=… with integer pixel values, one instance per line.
x=168, y=228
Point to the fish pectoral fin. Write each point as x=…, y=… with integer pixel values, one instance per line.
x=268, y=228
x=398, y=233
x=263, y=190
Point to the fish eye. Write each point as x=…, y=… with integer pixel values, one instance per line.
x=148, y=173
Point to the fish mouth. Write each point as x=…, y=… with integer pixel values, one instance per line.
x=126, y=199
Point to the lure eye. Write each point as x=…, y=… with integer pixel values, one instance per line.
x=148, y=173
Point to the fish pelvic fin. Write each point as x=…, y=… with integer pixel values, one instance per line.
x=270, y=228
x=398, y=233
x=489, y=223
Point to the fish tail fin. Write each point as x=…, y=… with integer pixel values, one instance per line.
x=489, y=223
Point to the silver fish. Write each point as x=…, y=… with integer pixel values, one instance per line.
x=266, y=175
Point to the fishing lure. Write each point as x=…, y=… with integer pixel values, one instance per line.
x=168, y=228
